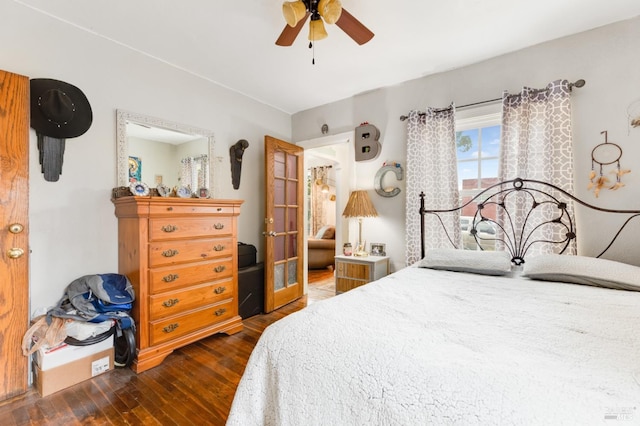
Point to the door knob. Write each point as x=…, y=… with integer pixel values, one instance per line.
x=15, y=252
x=16, y=228
x=269, y=234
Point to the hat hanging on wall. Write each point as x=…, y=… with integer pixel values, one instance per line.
x=59, y=111
x=236, y=152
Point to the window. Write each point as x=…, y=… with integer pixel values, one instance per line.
x=478, y=151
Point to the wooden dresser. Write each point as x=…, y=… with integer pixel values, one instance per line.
x=181, y=257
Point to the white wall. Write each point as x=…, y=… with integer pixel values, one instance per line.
x=73, y=230
x=607, y=58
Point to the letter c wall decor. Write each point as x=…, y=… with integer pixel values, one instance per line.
x=377, y=181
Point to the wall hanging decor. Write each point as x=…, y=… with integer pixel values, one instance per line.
x=235, y=156
x=367, y=145
x=605, y=154
x=633, y=112
x=377, y=180
x=59, y=111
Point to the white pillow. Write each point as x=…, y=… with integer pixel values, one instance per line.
x=474, y=261
x=583, y=270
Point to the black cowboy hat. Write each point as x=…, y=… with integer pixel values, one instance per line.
x=59, y=109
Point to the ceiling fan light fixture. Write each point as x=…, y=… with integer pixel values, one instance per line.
x=330, y=10
x=317, y=30
x=293, y=12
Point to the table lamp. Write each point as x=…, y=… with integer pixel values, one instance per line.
x=359, y=206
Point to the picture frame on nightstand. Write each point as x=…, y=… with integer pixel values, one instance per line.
x=378, y=249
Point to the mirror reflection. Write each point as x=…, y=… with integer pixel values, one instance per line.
x=157, y=151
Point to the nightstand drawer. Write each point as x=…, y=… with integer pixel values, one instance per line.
x=352, y=270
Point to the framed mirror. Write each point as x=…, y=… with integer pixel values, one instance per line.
x=153, y=150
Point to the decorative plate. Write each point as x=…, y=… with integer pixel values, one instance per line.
x=139, y=188
x=184, y=192
x=163, y=190
x=203, y=193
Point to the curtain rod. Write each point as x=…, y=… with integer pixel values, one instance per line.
x=578, y=83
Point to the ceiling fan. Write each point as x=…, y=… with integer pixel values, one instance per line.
x=296, y=14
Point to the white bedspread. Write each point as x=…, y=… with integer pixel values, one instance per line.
x=423, y=347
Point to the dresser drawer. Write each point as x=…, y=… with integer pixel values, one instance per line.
x=175, y=302
x=172, y=252
x=177, y=277
x=181, y=227
x=180, y=210
x=179, y=325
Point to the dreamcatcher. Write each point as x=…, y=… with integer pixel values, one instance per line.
x=605, y=154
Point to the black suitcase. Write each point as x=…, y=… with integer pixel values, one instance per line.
x=251, y=291
x=246, y=255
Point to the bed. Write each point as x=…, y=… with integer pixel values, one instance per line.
x=461, y=337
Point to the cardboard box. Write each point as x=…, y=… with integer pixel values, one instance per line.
x=65, y=375
x=48, y=358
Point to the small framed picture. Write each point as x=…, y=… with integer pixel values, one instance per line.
x=377, y=249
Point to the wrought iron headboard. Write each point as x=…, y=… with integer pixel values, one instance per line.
x=532, y=195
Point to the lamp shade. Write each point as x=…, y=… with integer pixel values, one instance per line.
x=293, y=12
x=317, y=30
x=359, y=205
x=330, y=10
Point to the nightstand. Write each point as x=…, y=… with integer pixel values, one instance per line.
x=354, y=271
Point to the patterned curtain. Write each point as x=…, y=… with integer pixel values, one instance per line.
x=432, y=169
x=319, y=215
x=537, y=144
x=194, y=172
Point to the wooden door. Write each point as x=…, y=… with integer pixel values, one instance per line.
x=14, y=198
x=283, y=224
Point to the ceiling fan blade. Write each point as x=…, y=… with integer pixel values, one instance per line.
x=354, y=28
x=289, y=34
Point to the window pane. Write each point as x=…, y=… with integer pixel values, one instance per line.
x=467, y=175
x=292, y=166
x=292, y=192
x=279, y=225
x=491, y=141
x=467, y=144
x=291, y=272
x=293, y=245
x=278, y=191
x=489, y=170
x=278, y=246
x=278, y=164
x=292, y=219
x=278, y=277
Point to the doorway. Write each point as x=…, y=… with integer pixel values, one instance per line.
x=335, y=153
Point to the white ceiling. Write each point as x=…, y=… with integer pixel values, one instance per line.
x=232, y=43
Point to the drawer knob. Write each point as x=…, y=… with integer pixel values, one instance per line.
x=170, y=327
x=170, y=208
x=169, y=228
x=220, y=311
x=219, y=225
x=169, y=253
x=219, y=268
x=169, y=303
x=219, y=247
x=220, y=290
x=219, y=209
x=170, y=278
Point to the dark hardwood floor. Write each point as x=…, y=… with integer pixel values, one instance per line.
x=194, y=385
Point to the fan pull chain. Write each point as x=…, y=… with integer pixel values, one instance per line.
x=313, y=53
